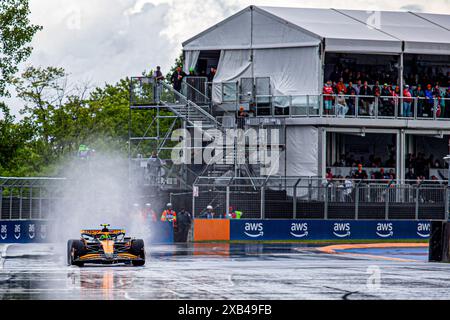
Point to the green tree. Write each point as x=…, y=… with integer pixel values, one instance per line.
x=179, y=62
x=13, y=139
x=16, y=32
x=44, y=92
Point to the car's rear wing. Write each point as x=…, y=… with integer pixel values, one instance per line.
x=97, y=232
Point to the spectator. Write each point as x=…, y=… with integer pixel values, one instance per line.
x=154, y=168
x=341, y=107
x=329, y=175
x=429, y=102
x=212, y=74
x=380, y=175
x=391, y=174
x=447, y=104
x=360, y=174
x=209, y=214
x=328, y=97
x=177, y=78
x=348, y=185
x=358, y=87
x=340, y=86
x=365, y=101
x=386, y=106
x=410, y=175
x=184, y=225
x=438, y=102
x=148, y=214
x=351, y=101
x=158, y=76
x=419, y=94
x=407, y=99
x=242, y=114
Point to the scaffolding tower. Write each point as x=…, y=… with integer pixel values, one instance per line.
x=157, y=110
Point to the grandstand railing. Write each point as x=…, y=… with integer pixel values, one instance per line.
x=352, y=106
x=316, y=198
x=147, y=91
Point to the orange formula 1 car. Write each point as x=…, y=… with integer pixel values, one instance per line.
x=105, y=246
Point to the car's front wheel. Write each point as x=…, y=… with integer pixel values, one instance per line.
x=74, y=250
x=137, y=248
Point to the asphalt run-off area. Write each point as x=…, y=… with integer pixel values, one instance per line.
x=230, y=271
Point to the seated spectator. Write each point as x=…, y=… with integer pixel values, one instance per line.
x=341, y=105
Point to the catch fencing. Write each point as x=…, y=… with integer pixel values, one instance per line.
x=28, y=198
x=314, y=198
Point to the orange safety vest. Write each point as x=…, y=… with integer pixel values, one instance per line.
x=169, y=215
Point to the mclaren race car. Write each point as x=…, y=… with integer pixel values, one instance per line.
x=105, y=246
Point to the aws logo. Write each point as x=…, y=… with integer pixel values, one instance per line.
x=254, y=230
x=342, y=230
x=43, y=232
x=31, y=231
x=299, y=230
x=385, y=230
x=423, y=230
x=17, y=232
x=4, y=231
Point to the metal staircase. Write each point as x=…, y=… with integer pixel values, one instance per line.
x=193, y=117
x=189, y=111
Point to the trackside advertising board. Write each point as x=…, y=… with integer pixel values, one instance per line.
x=328, y=230
x=24, y=231
x=39, y=231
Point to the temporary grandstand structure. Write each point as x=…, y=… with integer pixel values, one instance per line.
x=288, y=44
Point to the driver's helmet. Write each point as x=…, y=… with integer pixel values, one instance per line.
x=105, y=237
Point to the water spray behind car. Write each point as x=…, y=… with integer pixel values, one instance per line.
x=96, y=191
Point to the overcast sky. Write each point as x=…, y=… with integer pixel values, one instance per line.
x=105, y=40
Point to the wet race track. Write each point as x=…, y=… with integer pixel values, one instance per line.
x=222, y=271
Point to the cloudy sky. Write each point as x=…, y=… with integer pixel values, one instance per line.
x=105, y=40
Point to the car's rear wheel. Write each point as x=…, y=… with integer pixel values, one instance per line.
x=137, y=248
x=74, y=250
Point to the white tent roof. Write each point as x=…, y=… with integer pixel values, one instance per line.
x=439, y=19
x=342, y=31
x=419, y=34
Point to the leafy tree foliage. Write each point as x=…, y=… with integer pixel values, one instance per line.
x=16, y=32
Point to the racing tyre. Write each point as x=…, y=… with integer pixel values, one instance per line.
x=137, y=248
x=74, y=250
